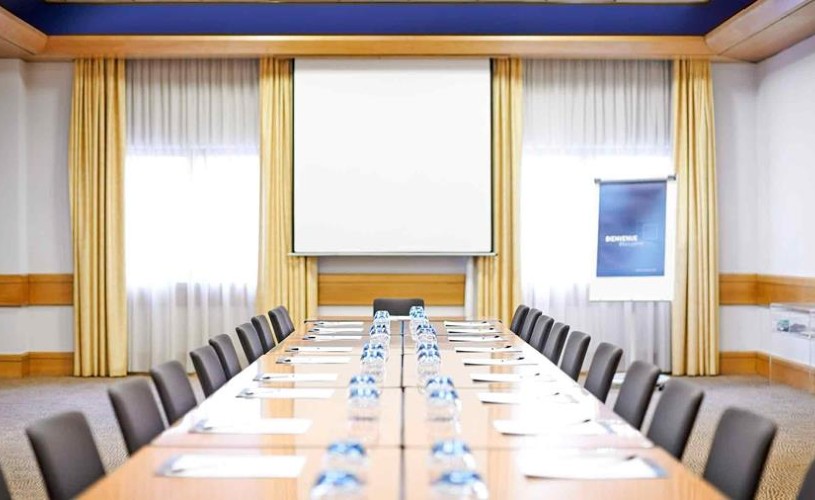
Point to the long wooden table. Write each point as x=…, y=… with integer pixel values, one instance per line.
x=399, y=440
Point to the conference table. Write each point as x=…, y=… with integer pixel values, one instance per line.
x=399, y=438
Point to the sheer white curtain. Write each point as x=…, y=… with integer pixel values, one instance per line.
x=191, y=204
x=585, y=120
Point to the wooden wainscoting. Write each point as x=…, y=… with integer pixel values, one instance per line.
x=36, y=364
x=764, y=289
x=758, y=363
x=362, y=289
x=737, y=363
x=18, y=290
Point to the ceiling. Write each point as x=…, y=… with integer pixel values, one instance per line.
x=384, y=18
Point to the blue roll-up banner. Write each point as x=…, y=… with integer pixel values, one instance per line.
x=631, y=229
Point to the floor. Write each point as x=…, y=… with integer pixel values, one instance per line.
x=26, y=400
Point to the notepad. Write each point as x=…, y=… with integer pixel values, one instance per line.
x=314, y=360
x=499, y=362
x=233, y=466
x=253, y=426
x=471, y=331
x=296, y=377
x=516, y=398
x=285, y=393
x=488, y=349
x=338, y=323
x=326, y=338
x=510, y=377
x=466, y=324
x=318, y=349
x=573, y=424
x=483, y=338
x=592, y=466
x=320, y=330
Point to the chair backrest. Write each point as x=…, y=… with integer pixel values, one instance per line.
x=529, y=323
x=267, y=339
x=5, y=494
x=174, y=389
x=227, y=354
x=397, y=307
x=540, y=332
x=66, y=453
x=250, y=341
x=287, y=319
x=518, y=318
x=602, y=369
x=739, y=451
x=208, y=368
x=554, y=344
x=675, y=415
x=636, y=392
x=574, y=354
x=807, y=491
x=279, y=324
x=137, y=412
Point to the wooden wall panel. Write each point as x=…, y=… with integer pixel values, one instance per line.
x=13, y=290
x=13, y=365
x=362, y=289
x=50, y=364
x=19, y=35
x=50, y=289
x=737, y=363
x=763, y=289
x=737, y=289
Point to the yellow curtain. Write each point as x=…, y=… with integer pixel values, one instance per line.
x=282, y=279
x=695, y=328
x=498, y=284
x=96, y=157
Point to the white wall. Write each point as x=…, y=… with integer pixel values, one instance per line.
x=765, y=133
x=34, y=212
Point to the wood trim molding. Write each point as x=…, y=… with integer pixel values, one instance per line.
x=37, y=364
x=758, y=363
x=763, y=29
x=21, y=34
x=362, y=289
x=764, y=289
x=606, y=47
x=737, y=362
x=18, y=290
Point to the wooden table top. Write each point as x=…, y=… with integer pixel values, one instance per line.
x=399, y=438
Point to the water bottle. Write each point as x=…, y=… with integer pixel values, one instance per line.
x=337, y=484
x=443, y=404
x=363, y=402
x=460, y=484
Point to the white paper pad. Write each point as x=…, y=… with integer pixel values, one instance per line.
x=338, y=323
x=488, y=349
x=326, y=338
x=516, y=398
x=314, y=360
x=557, y=425
x=471, y=331
x=592, y=466
x=510, y=377
x=318, y=349
x=319, y=330
x=499, y=362
x=233, y=466
x=467, y=324
x=286, y=393
x=254, y=426
x=296, y=377
x=483, y=338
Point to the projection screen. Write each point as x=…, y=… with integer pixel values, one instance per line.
x=392, y=156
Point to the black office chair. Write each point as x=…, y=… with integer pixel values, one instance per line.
x=518, y=318
x=807, y=491
x=675, y=415
x=137, y=412
x=174, y=389
x=540, y=332
x=227, y=354
x=5, y=494
x=636, y=392
x=397, y=307
x=529, y=323
x=250, y=341
x=287, y=319
x=574, y=354
x=279, y=324
x=267, y=339
x=739, y=451
x=554, y=344
x=602, y=369
x=66, y=453
x=209, y=370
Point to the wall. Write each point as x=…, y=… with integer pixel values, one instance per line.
x=35, y=233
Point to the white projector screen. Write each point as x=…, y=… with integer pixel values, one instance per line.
x=392, y=156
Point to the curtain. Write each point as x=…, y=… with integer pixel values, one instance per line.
x=95, y=163
x=585, y=120
x=498, y=289
x=192, y=187
x=282, y=279
x=695, y=329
